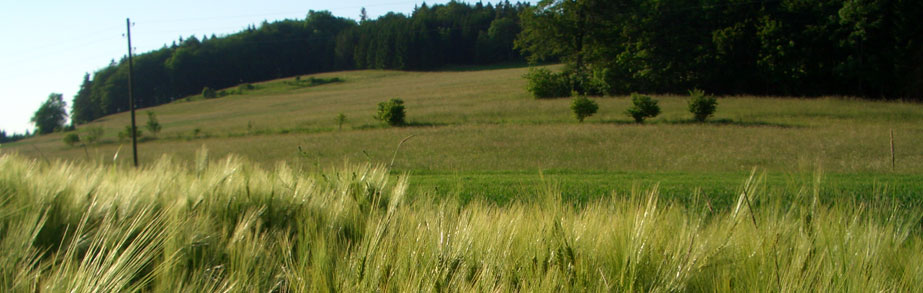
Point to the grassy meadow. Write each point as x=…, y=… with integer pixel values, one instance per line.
x=229, y=225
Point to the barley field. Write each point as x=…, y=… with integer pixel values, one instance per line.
x=229, y=225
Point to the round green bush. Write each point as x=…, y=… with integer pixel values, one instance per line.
x=583, y=107
x=71, y=139
x=391, y=112
x=642, y=107
x=701, y=106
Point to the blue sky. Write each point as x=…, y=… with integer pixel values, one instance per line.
x=49, y=45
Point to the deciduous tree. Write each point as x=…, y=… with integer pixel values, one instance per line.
x=51, y=115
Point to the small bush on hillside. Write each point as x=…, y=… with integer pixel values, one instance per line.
x=391, y=112
x=545, y=84
x=209, y=93
x=152, y=124
x=700, y=105
x=244, y=87
x=642, y=107
x=71, y=139
x=312, y=81
x=93, y=134
x=125, y=135
x=583, y=107
x=320, y=81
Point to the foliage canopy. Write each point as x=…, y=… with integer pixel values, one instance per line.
x=543, y=83
x=803, y=48
x=51, y=115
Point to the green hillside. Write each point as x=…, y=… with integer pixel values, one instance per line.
x=473, y=123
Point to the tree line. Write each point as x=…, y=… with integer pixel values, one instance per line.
x=5, y=138
x=431, y=37
x=867, y=48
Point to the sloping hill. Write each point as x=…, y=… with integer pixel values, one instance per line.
x=486, y=121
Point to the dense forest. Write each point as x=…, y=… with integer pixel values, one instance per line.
x=784, y=47
x=866, y=48
x=5, y=138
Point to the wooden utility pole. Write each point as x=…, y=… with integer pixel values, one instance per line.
x=131, y=98
x=892, y=149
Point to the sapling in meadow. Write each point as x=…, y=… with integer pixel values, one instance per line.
x=642, y=107
x=700, y=105
x=341, y=118
x=125, y=135
x=583, y=107
x=93, y=134
x=152, y=124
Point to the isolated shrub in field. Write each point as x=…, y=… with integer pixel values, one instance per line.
x=125, y=135
x=546, y=84
x=583, y=107
x=152, y=124
x=93, y=134
x=642, y=107
x=391, y=112
x=71, y=139
x=700, y=105
x=209, y=93
x=341, y=118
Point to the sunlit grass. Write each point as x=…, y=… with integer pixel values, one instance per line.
x=486, y=121
x=229, y=225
